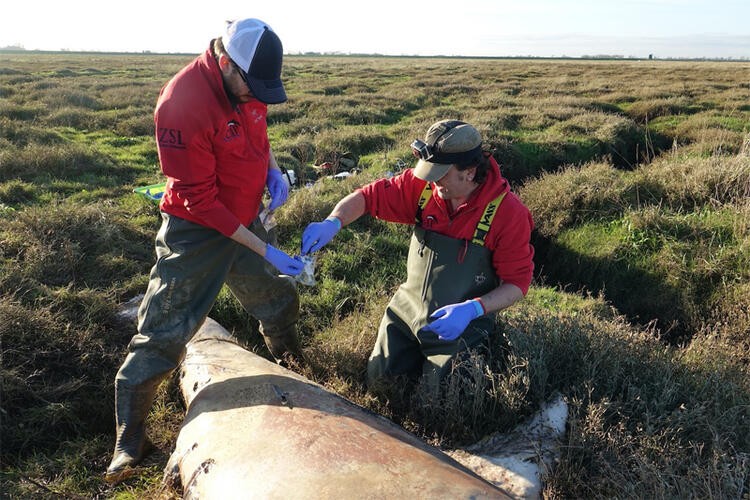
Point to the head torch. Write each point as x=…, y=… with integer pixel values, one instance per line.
x=421, y=150
x=428, y=153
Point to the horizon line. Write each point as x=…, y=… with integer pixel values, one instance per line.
x=20, y=49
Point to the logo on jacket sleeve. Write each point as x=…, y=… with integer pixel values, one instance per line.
x=170, y=138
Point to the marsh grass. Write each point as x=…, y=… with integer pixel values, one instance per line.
x=640, y=424
x=675, y=230
x=636, y=173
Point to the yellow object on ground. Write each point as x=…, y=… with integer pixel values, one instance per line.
x=154, y=192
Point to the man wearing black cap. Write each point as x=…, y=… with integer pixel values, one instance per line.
x=214, y=150
x=469, y=257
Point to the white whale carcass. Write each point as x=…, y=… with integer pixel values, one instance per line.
x=254, y=429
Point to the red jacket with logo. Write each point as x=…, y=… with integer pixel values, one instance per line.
x=214, y=153
x=396, y=200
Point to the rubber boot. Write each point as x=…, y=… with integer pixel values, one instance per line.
x=132, y=405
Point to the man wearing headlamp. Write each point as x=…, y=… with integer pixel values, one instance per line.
x=470, y=254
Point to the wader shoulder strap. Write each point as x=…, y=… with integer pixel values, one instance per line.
x=423, y=199
x=483, y=227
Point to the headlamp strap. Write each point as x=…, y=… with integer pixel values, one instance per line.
x=460, y=158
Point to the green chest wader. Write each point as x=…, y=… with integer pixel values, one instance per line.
x=193, y=263
x=440, y=270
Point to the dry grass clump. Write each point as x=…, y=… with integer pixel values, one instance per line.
x=707, y=141
x=689, y=182
x=613, y=136
x=638, y=410
x=70, y=245
x=646, y=110
x=37, y=162
x=17, y=134
x=360, y=140
x=338, y=354
x=12, y=111
x=598, y=191
x=52, y=360
x=64, y=269
x=71, y=98
x=578, y=194
x=16, y=192
x=540, y=115
x=136, y=125
x=729, y=318
x=313, y=204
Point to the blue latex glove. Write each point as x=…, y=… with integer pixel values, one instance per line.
x=451, y=320
x=277, y=187
x=282, y=262
x=317, y=234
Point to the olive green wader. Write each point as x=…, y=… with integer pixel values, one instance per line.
x=193, y=263
x=440, y=270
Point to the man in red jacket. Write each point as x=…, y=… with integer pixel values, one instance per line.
x=470, y=254
x=214, y=150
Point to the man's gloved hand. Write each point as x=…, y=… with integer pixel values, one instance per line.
x=277, y=187
x=451, y=320
x=317, y=234
x=282, y=262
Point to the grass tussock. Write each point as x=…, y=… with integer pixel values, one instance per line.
x=675, y=229
x=639, y=193
x=70, y=245
x=71, y=266
x=641, y=414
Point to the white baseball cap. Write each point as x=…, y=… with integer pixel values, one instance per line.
x=257, y=51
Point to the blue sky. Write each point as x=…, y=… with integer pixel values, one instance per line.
x=664, y=28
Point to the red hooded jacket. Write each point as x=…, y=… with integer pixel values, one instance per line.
x=508, y=239
x=214, y=153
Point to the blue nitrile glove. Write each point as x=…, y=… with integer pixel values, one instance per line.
x=317, y=234
x=451, y=320
x=282, y=262
x=277, y=187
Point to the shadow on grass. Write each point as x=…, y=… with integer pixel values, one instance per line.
x=521, y=160
x=641, y=295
